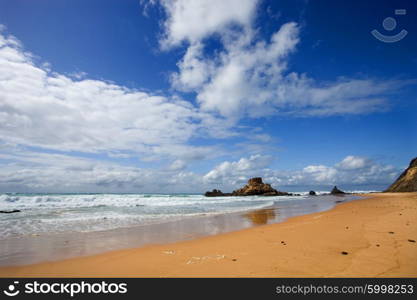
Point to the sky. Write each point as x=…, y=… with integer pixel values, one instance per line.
x=185, y=96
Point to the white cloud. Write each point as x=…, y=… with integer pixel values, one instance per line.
x=364, y=172
x=26, y=170
x=249, y=76
x=194, y=70
x=33, y=171
x=178, y=165
x=320, y=173
x=238, y=171
x=194, y=20
x=53, y=111
x=353, y=162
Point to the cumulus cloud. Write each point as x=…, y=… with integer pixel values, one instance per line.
x=249, y=76
x=353, y=162
x=27, y=170
x=352, y=171
x=194, y=20
x=238, y=171
x=33, y=171
x=53, y=111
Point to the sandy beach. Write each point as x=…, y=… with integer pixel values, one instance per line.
x=372, y=237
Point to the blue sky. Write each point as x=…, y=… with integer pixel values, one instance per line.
x=180, y=96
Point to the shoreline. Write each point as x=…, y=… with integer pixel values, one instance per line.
x=370, y=237
x=43, y=247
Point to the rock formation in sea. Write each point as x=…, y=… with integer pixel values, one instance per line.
x=255, y=186
x=336, y=191
x=216, y=193
x=312, y=193
x=407, y=182
x=9, y=211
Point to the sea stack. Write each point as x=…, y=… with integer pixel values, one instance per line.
x=215, y=193
x=254, y=187
x=336, y=191
x=407, y=182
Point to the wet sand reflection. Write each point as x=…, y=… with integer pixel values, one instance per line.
x=261, y=216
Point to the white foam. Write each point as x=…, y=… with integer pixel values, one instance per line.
x=92, y=212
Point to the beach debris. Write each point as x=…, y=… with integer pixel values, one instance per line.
x=234, y=259
x=411, y=241
x=344, y=253
x=169, y=252
x=312, y=193
x=339, y=201
x=391, y=232
x=196, y=259
x=377, y=245
x=347, y=227
x=10, y=211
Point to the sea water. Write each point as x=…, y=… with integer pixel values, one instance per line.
x=59, y=226
x=59, y=213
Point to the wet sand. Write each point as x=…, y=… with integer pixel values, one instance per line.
x=42, y=247
x=373, y=237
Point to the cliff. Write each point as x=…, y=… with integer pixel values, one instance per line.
x=407, y=182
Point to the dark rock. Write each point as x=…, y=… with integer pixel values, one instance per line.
x=9, y=211
x=336, y=191
x=255, y=181
x=412, y=241
x=214, y=193
x=407, y=181
x=254, y=187
x=312, y=193
x=344, y=253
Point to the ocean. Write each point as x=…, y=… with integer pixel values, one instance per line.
x=59, y=226
x=58, y=213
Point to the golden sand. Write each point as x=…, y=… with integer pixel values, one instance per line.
x=373, y=237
